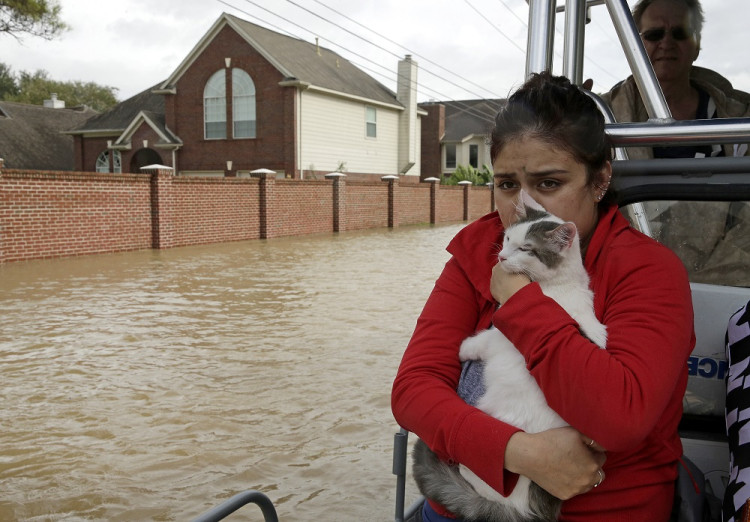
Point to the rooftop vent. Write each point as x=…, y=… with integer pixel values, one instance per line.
x=54, y=103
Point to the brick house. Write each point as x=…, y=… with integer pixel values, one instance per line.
x=246, y=98
x=455, y=133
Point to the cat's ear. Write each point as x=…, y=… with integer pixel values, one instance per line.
x=526, y=202
x=563, y=236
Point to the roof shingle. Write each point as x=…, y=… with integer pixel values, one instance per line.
x=31, y=135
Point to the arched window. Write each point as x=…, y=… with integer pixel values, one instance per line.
x=243, y=104
x=215, y=106
x=102, y=162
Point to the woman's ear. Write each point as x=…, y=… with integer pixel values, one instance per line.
x=602, y=180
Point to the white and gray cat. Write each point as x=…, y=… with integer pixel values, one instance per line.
x=547, y=249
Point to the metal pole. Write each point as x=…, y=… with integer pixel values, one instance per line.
x=683, y=132
x=636, y=211
x=540, y=43
x=575, y=30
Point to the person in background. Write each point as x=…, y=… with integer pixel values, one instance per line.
x=623, y=403
x=712, y=248
x=671, y=34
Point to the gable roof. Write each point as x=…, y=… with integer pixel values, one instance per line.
x=299, y=62
x=467, y=118
x=157, y=122
x=118, y=118
x=31, y=135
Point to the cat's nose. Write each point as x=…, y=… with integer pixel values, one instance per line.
x=501, y=258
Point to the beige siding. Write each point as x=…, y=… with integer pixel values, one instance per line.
x=333, y=131
x=462, y=153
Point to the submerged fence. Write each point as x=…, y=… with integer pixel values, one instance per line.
x=52, y=214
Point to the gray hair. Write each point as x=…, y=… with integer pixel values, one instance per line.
x=694, y=8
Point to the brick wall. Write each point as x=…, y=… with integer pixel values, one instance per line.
x=300, y=207
x=212, y=210
x=364, y=205
x=410, y=204
x=450, y=203
x=55, y=214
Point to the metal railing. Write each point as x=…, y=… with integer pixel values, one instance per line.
x=228, y=507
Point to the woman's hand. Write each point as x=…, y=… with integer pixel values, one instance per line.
x=562, y=461
x=503, y=285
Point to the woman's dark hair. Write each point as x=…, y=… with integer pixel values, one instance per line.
x=551, y=109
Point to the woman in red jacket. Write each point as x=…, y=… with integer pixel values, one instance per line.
x=617, y=460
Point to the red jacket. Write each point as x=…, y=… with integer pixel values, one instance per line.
x=628, y=397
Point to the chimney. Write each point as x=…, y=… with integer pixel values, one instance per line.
x=406, y=94
x=53, y=102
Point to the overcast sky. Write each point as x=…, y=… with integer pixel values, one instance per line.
x=465, y=48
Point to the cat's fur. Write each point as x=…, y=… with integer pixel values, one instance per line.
x=546, y=249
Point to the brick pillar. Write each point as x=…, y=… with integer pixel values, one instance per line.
x=491, y=185
x=339, y=200
x=162, y=205
x=434, y=186
x=467, y=187
x=393, y=220
x=266, y=203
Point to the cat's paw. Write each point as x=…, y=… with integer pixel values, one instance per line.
x=470, y=350
x=599, y=336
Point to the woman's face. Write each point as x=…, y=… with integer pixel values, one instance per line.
x=551, y=176
x=670, y=58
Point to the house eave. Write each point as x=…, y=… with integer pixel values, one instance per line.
x=356, y=98
x=165, y=90
x=98, y=133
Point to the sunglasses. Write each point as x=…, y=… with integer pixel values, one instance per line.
x=656, y=35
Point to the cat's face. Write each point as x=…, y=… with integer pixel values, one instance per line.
x=538, y=246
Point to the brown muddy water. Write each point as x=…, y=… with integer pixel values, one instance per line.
x=153, y=385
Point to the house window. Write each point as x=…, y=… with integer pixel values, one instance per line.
x=215, y=106
x=450, y=156
x=102, y=162
x=243, y=104
x=474, y=156
x=371, y=122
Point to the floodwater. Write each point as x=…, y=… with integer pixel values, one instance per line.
x=153, y=385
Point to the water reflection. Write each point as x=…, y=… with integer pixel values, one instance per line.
x=155, y=384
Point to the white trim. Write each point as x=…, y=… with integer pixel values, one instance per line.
x=136, y=122
x=353, y=97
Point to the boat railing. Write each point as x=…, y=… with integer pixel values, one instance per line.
x=400, y=459
x=239, y=500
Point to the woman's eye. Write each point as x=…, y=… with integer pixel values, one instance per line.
x=549, y=184
x=505, y=185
